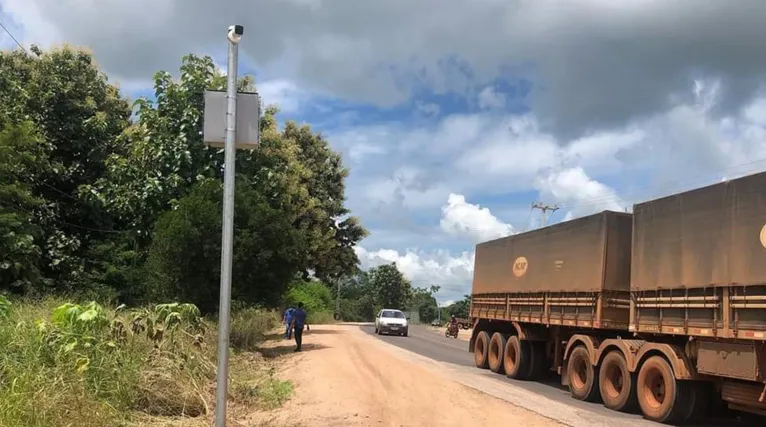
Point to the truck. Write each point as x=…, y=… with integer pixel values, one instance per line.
x=660, y=311
x=464, y=323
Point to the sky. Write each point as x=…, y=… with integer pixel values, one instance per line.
x=455, y=117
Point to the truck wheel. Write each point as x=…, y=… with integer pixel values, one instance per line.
x=617, y=384
x=496, y=349
x=480, y=350
x=583, y=384
x=516, y=358
x=663, y=399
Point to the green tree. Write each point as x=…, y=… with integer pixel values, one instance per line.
x=387, y=286
x=424, y=303
x=333, y=255
x=293, y=171
x=184, y=260
x=98, y=201
x=314, y=295
x=460, y=308
x=22, y=157
x=79, y=118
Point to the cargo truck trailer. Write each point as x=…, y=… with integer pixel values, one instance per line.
x=661, y=311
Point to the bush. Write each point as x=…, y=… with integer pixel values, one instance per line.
x=250, y=326
x=314, y=295
x=85, y=365
x=320, y=317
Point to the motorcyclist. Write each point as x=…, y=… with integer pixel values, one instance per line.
x=452, y=323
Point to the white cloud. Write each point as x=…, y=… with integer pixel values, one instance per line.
x=452, y=273
x=463, y=219
x=577, y=193
x=284, y=93
x=489, y=99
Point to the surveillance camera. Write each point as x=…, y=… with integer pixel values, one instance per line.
x=235, y=33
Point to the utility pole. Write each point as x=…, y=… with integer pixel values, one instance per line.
x=543, y=209
x=337, y=302
x=227, y=239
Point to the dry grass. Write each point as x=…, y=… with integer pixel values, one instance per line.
x=249, y=327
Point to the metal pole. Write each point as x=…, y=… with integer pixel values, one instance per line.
x=227, y=239
x=337, y=299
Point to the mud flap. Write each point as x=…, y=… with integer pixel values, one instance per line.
x=564, y=377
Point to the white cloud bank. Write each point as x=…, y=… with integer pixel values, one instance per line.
x=463, y=219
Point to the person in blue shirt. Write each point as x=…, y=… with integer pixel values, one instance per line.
x=288, y=321
x=299, y=320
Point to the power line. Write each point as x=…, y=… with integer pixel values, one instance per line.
x=13, y=38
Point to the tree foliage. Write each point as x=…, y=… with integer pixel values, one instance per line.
x=97, y=201
x=424, y=303
x=314, y=295
x=68, y=119
x=380, y=287
x=460, y=308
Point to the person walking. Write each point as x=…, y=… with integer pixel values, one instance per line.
x=299, y=320
x=288, y=319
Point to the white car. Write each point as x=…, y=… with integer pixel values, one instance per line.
x=391, y=321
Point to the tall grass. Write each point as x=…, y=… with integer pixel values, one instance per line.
x=67, y=365
x=322, y=317
x=250, y=326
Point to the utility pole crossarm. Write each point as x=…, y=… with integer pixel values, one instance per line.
x=543, y=209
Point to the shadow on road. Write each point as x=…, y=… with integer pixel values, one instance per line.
x=272, y=352
x=321, y=332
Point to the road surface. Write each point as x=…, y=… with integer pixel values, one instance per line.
x=345, y=377
x=547, y=397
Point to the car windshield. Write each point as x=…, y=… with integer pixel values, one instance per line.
x=396, y=314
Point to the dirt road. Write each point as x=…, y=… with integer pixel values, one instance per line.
x=344, y=377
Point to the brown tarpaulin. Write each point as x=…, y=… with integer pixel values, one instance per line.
x=565, y=257
x=705, y=237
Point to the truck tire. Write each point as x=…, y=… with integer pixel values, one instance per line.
x=480, y=350
x=537, y=360
x=516, y=358
x=661, y=397
x=583, y=377
x=495, y=353
x=698, y=401
x=617, y=384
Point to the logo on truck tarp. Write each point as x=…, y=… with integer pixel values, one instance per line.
x=763, y=236
x=520, y=266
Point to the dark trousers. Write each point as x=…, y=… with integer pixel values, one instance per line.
x=298, y=332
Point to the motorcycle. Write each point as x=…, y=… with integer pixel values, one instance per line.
x=452, y=330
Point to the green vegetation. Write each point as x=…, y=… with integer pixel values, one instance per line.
x=118, y=204
x=459, y=308
x=71, y=364
x=316, y=299
x=379, y=287
x=118, y=208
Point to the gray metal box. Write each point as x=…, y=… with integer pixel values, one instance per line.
x=248, y=119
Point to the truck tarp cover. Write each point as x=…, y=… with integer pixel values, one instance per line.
x=712, y=236
x=565, y=257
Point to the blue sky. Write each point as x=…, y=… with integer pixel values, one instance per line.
x=455, y=120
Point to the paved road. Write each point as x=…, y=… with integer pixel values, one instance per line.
x=455, y=351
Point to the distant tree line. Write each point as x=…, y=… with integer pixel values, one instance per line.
x=385, y=286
